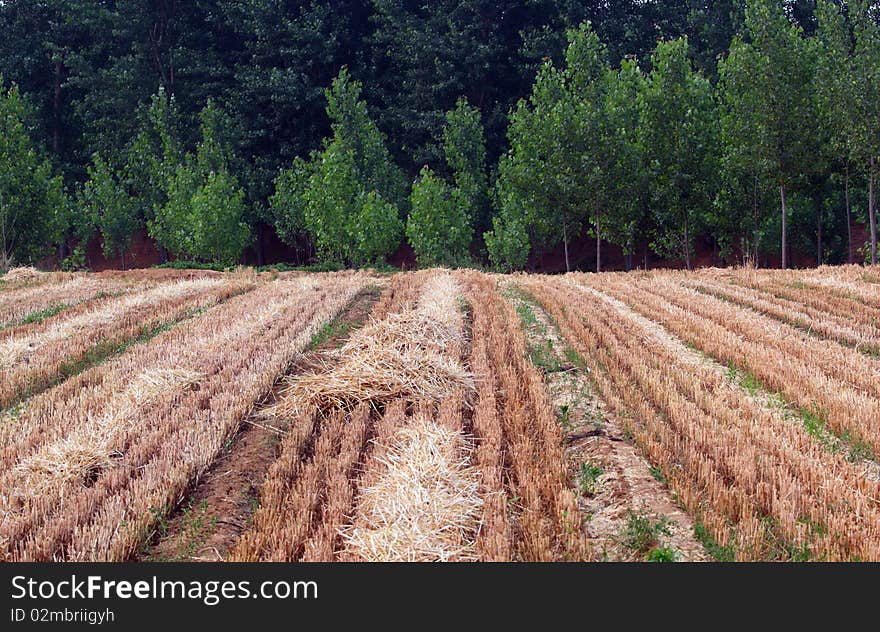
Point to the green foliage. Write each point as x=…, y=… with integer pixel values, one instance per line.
x=203, y=220
x=356, y=133
x=330, y=199
x=798, y=90
x=508, y=242
x=203, y=216
x=719, y=552
x=32, y=201
x=588, y=477
x=661, y=554
x=374, y=230
x=287, y=204
x=679, y=134
x=439, y=226
x=350, y=192
x=551, y=178
x=465, y=150
x=219, y=233
x=105, y=202
x=154, y=155
x=642, y=533
x=627, y=179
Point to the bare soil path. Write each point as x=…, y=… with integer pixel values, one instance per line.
x=628, y=514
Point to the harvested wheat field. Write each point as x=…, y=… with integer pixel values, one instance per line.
x=440, y=415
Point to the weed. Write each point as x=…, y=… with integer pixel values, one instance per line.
x=196, y=527
x=588, y=478
x=575, y=359
x=160, y=517
x=37, y=316
x=643, y=532
x=719, y=552
x=336, y=328
x=657, y=473
x=859, y=449
x=662, y=554
x=564, y=416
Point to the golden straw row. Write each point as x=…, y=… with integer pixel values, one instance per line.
x=57, y=290
x=32, y=357
x=121, y=443
x=68, y=291
x=529, y=511
x=419, y=497
x=753, y=479
x=296, y=485
x=328, y=472
x=846, y=299
x=847, y=331
x=836, y=383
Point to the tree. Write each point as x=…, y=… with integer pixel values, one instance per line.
x=465, y=150
x=355, y=132
x=115, y=213
x=626, y=176
x=287, y=204
x=680, y=138
x=374, y=230
x=439, y=226
x=203, y=215
x=330, y=202
x=353, y=192
x=424, y=56
x=32, y=201
x=866, y=62
x=347, y=223
x=837, y=100
x=776, y=68
x=746, y=168
x=551, y=178
x=217, y=209
x=442, y=216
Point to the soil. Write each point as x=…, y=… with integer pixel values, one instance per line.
x=208, y=523
x=594, y=439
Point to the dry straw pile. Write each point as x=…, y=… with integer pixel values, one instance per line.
x=425, y=505
x=400, y=356
x=410, y=493
x=21, y=275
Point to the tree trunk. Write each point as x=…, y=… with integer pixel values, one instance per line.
x=629, y=260
x=565, y=241
x=784, y=228
x=817, y=205
x=259, y=245
x=687, y=243
x=872, y=214
x=645, y=253
x=755, y=226
x=598, y=241
x=849, y=241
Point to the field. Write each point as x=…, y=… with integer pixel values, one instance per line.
x=440, y=415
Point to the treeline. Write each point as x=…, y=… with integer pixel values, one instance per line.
x=351, y=127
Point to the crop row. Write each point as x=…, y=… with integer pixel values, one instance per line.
x=91, y=465
x=758, y=484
